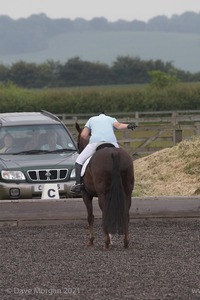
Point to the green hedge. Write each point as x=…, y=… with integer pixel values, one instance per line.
x=95, y=99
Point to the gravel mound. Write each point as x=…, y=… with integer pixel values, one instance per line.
x=170, y=172
x=53, y=262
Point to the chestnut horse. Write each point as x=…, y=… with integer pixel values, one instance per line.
x=110, y=177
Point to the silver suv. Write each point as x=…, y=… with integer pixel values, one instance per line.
x=35, y=148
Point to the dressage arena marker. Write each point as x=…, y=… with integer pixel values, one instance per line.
x=50, y=191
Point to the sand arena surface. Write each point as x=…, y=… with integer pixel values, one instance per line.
x=53, y=262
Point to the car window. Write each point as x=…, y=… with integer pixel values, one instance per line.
x=35, y=137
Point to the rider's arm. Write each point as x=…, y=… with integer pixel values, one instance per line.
x=119, y=125
x=85, y=134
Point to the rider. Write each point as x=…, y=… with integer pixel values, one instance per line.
x=98, y=129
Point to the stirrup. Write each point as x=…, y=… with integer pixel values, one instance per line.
x=77, y=188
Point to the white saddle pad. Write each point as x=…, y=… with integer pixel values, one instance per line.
x=84, y=166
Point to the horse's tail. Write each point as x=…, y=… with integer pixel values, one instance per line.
x=114, y=213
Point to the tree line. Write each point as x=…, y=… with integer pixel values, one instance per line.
x=77, y=72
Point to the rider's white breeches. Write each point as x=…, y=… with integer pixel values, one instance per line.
x=89, y=151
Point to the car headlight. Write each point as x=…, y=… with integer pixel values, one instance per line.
x=12, y=175
x=73, y=174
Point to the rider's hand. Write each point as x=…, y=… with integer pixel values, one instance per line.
x=131, y=126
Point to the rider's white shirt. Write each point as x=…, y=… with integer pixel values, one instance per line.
x=102, y=130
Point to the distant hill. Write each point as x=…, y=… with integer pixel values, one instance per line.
x=39, y=38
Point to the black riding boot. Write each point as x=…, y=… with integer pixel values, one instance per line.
x=78, y=186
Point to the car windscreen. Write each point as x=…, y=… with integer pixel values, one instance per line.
x=50, y=137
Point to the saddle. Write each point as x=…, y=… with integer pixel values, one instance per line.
x=99, y=147
x=104, y=145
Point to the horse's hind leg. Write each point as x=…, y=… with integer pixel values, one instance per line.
x=91, y=231
x=107, y=241
x=126, y=236
x=88, y=203
x=126, y=240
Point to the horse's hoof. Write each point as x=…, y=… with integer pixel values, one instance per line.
x=126, y=245
x=106, y=247
x=90, y=244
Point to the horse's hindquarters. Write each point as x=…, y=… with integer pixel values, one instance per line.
x=110, y=177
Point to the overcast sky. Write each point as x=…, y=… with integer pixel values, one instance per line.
x=110, y=9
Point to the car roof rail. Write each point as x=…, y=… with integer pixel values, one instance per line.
x=52, y=116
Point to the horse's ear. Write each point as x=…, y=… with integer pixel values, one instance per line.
x=77, y=127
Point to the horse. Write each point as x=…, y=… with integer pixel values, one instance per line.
x=109, y=176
